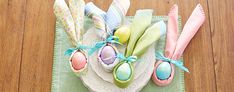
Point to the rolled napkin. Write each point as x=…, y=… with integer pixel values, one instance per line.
x=123, y=72
x=164, y=68
x=107, y=22
x=72, y=18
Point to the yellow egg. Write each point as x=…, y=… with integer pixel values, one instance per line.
x=123, y=33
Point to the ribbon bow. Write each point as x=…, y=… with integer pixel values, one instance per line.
x=98, y=45
x=178, y=63
x=129, y=59
x=79, y=46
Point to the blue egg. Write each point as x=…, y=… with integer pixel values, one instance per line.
x=163, y=71
x=123, y=72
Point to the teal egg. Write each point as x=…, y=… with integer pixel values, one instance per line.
x=163, y=71
x=123, y=72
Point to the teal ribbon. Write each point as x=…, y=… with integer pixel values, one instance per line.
x=129, y=59
x=178, y=63
x=98, y=45
x=79, y=46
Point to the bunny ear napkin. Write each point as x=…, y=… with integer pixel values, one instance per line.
x=77, y=11
x=106, y=23
x=142, y=36
x=72, y=19
x=175, y=46
x=64, y=15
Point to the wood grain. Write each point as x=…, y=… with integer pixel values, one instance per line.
x=11, y=35
x=222, y=28
x=27, y=38
x=198, y=55
x=37, y=57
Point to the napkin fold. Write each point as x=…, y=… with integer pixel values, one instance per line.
x=191, y=27
x=108, y=22
x=77, y=10
x=152, y=34
x=63, y=14
x=172, y=31
x=115, y=14
x=141, y=21
x=97, y=15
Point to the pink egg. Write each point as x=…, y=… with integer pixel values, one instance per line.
x=78, y=61
x=108, y=55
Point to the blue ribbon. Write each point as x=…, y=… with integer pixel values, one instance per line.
x=178, y=63
x=129, y=59
x=98, y=45
x=79, y=46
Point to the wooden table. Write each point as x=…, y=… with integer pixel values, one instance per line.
x=27, y=39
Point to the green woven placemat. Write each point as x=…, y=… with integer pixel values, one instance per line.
x=64, y=80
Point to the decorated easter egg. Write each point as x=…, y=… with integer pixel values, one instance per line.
x=108, y=54
x=163, y=71
x=123, y=33
x=123, y=72
x=78, y=60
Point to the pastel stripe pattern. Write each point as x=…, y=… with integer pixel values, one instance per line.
x=116, y=13
x=63, y=14
x=110, y=20
x=97, y=15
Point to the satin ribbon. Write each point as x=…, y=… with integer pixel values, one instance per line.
x=79, y=46
x=98, y=45
x=178, y=63
x=109, y=21
x=128, y=59
x=175, y=46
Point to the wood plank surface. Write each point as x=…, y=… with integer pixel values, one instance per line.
x=198, y=55
x=37, y=57
x=222, y=28
x=27, y=38
x=12, y=15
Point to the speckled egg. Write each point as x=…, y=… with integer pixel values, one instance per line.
x=123, y=72
x=108, y=55
x=78, y=60
x=123, y=33
x=163, y=71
